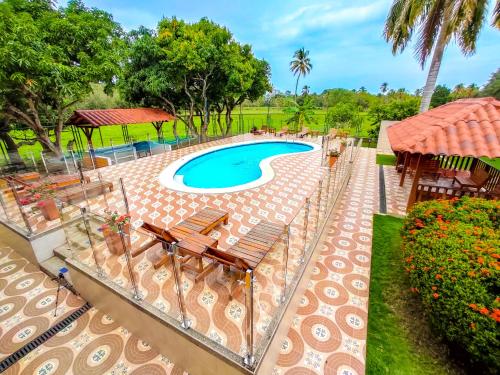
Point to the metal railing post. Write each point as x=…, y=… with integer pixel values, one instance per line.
x=99, y=176
x=285, y=260
x=23, y=214
x=83, y=210
x=75, y=164
x=44, y=163
x=66, y=164
x=34, y=161
x=306, y=223
x=4, y=206
x=124, y=193
x=320, y=189
x=328, y=180
x=136, y=295
x=249, y=358
x=171, y=252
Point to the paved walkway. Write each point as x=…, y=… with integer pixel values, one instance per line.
x=328, y=333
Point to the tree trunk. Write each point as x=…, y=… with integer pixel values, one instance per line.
x=229, y=121
x=297, y=86
x=437, y=57
x=174, y=128
x=12, y=149
x=219, y=122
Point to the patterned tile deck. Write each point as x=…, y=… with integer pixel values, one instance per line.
x=396, y=196
x=328, y=333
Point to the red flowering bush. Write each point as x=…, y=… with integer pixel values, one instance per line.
x=452, y=251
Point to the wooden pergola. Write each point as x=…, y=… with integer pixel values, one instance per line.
x=442, y=148
x=90, y=119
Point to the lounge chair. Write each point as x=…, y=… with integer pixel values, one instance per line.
x=284, y=130
x=305, y=131
x=476, y=180
x=200, y=223
x=332, y=133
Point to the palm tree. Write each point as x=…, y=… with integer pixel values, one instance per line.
x=300, y=65
x=437, y=21
x=305, y=90
x=384, y=87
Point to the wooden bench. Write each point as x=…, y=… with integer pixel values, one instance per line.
x=476, y=180
x=76, y=194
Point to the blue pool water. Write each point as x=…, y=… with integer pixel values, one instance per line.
x=233, y=166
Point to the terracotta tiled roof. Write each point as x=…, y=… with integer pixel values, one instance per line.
x=466, y=127
x=100, y=117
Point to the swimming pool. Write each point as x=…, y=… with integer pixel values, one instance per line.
x=230, y=167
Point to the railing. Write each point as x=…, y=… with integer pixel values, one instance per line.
x=235, y=314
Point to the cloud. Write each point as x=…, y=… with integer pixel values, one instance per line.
x=325, y=15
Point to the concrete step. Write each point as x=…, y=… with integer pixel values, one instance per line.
x=52, y=266
x=62, y=252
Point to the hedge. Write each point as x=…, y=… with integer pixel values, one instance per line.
x=451, y=251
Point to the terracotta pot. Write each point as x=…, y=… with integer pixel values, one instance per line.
x=332, y=160
x=114, y=241
x=342, y=148
x=48, y=209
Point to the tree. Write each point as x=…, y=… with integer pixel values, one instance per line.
x=195, y=67
x=384, y=87
x=48, y=60
x=437, y=22
x=305, y=90
x=395, y=110
x=300, y=65
x=300, y=113
x=440, y=96
x=492, y=87
x=344, y=115
x=461, y=91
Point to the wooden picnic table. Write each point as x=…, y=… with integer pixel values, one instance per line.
x=192, y=247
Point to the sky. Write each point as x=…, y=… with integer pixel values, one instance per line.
x=344, y=38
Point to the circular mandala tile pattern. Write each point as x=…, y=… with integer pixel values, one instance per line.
x=344, y=243
x=23, y=333
x=309, y=304
x=352, y=320
x=149, y=369
x=99, y=355
x=101, y=324
x=300, y=371
x=291, y=350
x=360, y=258
x=11, y=267
x=137, y=352
x=319, y=272
x=54, y=362
x=10, y=306
x=24, y=284
x=43, y=303
x=320, y=333
x=331, y=293
x=338, y=264
x=70, y=332
x=356, y=284
x=337, y=364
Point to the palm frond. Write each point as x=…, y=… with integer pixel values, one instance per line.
x=468, y=19
x=429, y=29
x=496, y=15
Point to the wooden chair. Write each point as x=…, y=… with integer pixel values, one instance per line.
x=305, y=131
x=202, y=222
x=476, y=180
x=284, y=130
x=430, y=169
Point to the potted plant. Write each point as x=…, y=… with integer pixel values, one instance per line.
x=333, y=155
x=111, y=231
x=343, y=145
x=43, y=197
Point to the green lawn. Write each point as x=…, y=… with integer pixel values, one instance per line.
x=252, y=116
x=494, y=162
x=399, y=339
x=386, y=159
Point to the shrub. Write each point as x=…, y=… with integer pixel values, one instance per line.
x=451, y=251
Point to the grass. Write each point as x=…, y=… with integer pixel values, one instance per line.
x=493, y=162
x=399, y=338
x=386, y=159
x=252, y=116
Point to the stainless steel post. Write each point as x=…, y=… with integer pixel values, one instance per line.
x=43, y=161
x=83, y=211
x=124, y=193
x=66, y=164
x=171, y=252
x=4, y=206
x=285, y=260
x=320, y=189
x=249, y=358
x=75, y=164
x=306, y=223
x=19, y=206
x=34, y=161
x=99, y=176
x=136, y=295
x=328, y=180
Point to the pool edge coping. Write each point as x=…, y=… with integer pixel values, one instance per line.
x=166, y=176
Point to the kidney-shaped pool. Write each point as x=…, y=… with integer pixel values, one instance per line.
x=229, y=168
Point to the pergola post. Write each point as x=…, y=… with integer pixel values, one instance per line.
x=405, y=167
x=413, y=192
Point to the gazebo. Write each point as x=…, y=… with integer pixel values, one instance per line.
x=89, y=119
x=442, y=148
